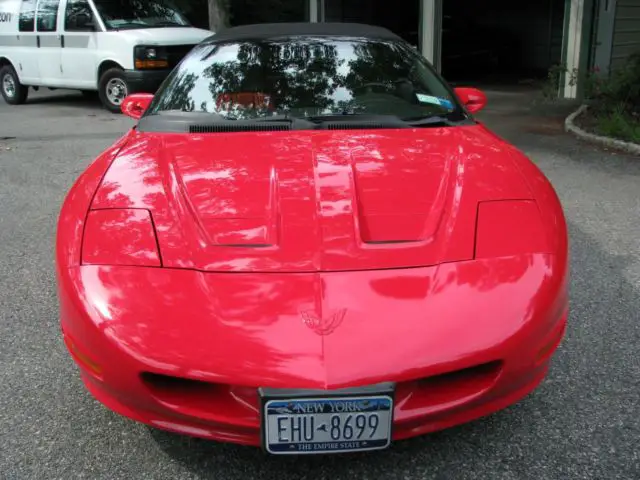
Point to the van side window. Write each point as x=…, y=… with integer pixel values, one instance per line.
x=77, y=10
x=27, y=15
x=47, y=15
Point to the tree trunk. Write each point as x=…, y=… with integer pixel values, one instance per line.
x=217, y=15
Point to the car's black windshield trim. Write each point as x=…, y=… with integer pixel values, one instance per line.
x=188, y=122
x=185, y=122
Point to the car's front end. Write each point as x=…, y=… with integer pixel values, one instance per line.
x=180, y=333
x=313, y=283
x=194, y=363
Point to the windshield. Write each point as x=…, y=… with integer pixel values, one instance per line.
x=306, y=77
x=123, y=14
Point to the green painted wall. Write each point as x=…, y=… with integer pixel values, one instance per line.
x=626, y=32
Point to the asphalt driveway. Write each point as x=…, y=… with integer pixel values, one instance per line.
x=582, y=423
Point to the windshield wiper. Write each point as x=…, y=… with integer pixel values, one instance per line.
x=353, y=117
x=168, y=23
x=431, y=121
x=393, y=121
x=301, y=122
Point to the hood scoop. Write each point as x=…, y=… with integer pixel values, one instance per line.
x=399, y=194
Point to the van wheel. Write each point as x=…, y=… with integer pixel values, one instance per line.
x=113, y=89
x=13, y=92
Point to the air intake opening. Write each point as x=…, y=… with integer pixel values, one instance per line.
x=430, y=395
x=476, y=375
x=204, y=400
x=166, y=383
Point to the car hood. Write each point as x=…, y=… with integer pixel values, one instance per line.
x=164, y=36
x=310, y=201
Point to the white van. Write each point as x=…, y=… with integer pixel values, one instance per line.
x=114, y=47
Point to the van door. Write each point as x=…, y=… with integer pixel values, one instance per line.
x=79, y=63
x=26, y=51
x=49, y=53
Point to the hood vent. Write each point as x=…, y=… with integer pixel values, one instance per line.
x=359, y=125
x=240, y=127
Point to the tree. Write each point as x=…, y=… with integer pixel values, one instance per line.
x=218, y=14
x=196, y=11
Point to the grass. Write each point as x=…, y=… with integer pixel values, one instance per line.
x=619, y=124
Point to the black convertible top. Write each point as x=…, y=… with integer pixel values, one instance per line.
x=273, y=30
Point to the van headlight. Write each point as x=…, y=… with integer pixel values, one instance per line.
x=150, y=57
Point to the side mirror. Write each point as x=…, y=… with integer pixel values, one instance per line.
x=136, y=104
x=472, y=98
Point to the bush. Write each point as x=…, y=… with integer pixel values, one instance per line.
x=554, y=81
x=618, y=92
x=614, y=101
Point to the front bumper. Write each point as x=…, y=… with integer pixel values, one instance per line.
x=145, y=81
x=415, y=413
x=193, y=366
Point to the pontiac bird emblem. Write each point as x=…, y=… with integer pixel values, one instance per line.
x=326, y=325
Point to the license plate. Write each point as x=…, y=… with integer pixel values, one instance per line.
x=327, y=424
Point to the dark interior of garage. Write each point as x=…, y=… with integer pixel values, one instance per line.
x=245, y=12
x=493, y=41
x=501, y=41
x=489, y=42
x=401, y=17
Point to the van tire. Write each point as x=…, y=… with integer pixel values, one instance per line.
x=110, y=81
x=19, y=91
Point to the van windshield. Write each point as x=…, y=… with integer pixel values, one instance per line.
x=128, y=14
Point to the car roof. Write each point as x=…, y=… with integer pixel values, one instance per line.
x=279, y=30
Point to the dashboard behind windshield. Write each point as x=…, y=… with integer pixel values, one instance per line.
x=304, y=76
x=128, y=14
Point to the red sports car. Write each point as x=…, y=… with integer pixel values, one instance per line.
x=308, y=243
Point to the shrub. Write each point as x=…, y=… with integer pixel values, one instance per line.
x=614, y=100
x=620, y=92
x=554, y=80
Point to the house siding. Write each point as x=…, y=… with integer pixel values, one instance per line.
x=626, y=32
